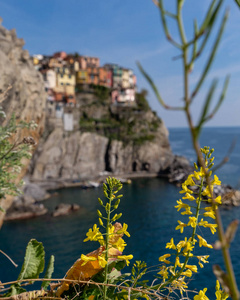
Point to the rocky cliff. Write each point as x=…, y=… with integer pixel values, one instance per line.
x=116, y=139
x=25, y=96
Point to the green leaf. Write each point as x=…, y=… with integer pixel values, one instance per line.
x=48, y=273
x=15, y=289
x=33, y=263
x=238, y=3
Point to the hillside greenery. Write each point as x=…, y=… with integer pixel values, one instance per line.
x=128, y=123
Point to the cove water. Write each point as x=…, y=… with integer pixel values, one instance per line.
x=148, y=209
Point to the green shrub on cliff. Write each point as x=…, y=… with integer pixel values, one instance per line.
x=13, y=148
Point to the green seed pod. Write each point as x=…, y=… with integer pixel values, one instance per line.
x=195, y=166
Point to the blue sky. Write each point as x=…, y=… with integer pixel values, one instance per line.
x=126, y=31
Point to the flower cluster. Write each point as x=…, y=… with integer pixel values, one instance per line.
x=195, y=190
x=220, y=295
x=112, y=240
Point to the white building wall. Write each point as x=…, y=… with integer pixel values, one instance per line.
x=68, y=121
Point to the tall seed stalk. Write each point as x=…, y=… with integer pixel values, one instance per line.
x=190, y=50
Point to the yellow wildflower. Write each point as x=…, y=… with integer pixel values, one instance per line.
x=201, y=295
x=201, y=172
x=196, y=175
x=181, y=244
x=188, y=247
x=124, y=230
x=177, y=263
x=218, y=200
x=120, y=244
x=163, y=258
x=171, y=244
x=187, y=273
x=193, y=268
x=210, y=214
x=185, y=189
x=220, y=295
x=192, y=222
x=180, y=284
x=164, y=272
x=202, y=223
x=86, y=259
x=187, y=211
x=202, y=258
x=102, y=262
x=180, y=226
x=93, y=234
x=181, y=205
x=207, y=192
x=189, y=197
x=126, y=258
x=216, y=181
x=189, y=180
x=211, y=226
x=203, y=242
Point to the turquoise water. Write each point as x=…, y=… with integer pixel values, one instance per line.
x=147, y=208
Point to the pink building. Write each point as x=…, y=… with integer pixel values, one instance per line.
x=62, y=55
x=88, y=62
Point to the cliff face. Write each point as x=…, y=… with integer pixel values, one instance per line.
x=120, y=140
x=25, y=96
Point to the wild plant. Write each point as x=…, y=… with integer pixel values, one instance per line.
x=99, y=274
x=190, y=49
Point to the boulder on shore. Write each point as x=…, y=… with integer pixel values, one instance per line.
x=65, y=209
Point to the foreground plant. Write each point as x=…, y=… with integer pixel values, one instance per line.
x=98, y=275
x=190, y=49
x=108, y=257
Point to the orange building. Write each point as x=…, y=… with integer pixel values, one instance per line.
x=93, y=75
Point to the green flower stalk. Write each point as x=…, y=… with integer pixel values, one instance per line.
x=111, y=240
x=195, y=190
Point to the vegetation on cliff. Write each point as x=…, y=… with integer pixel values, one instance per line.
x=127, y=123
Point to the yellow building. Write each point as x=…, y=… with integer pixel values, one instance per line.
x=125, y=78
x=66, y=81
x=82, y=77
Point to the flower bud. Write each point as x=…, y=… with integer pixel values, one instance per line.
x=116, y=204
x=107, y=207
x=100, y=202
x=100, y=221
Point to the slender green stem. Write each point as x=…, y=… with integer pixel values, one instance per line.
x=172, y=278
x=107, y=241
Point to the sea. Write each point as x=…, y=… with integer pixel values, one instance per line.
x=148, y=209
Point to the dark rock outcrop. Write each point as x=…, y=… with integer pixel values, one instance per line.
x=64, y=209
